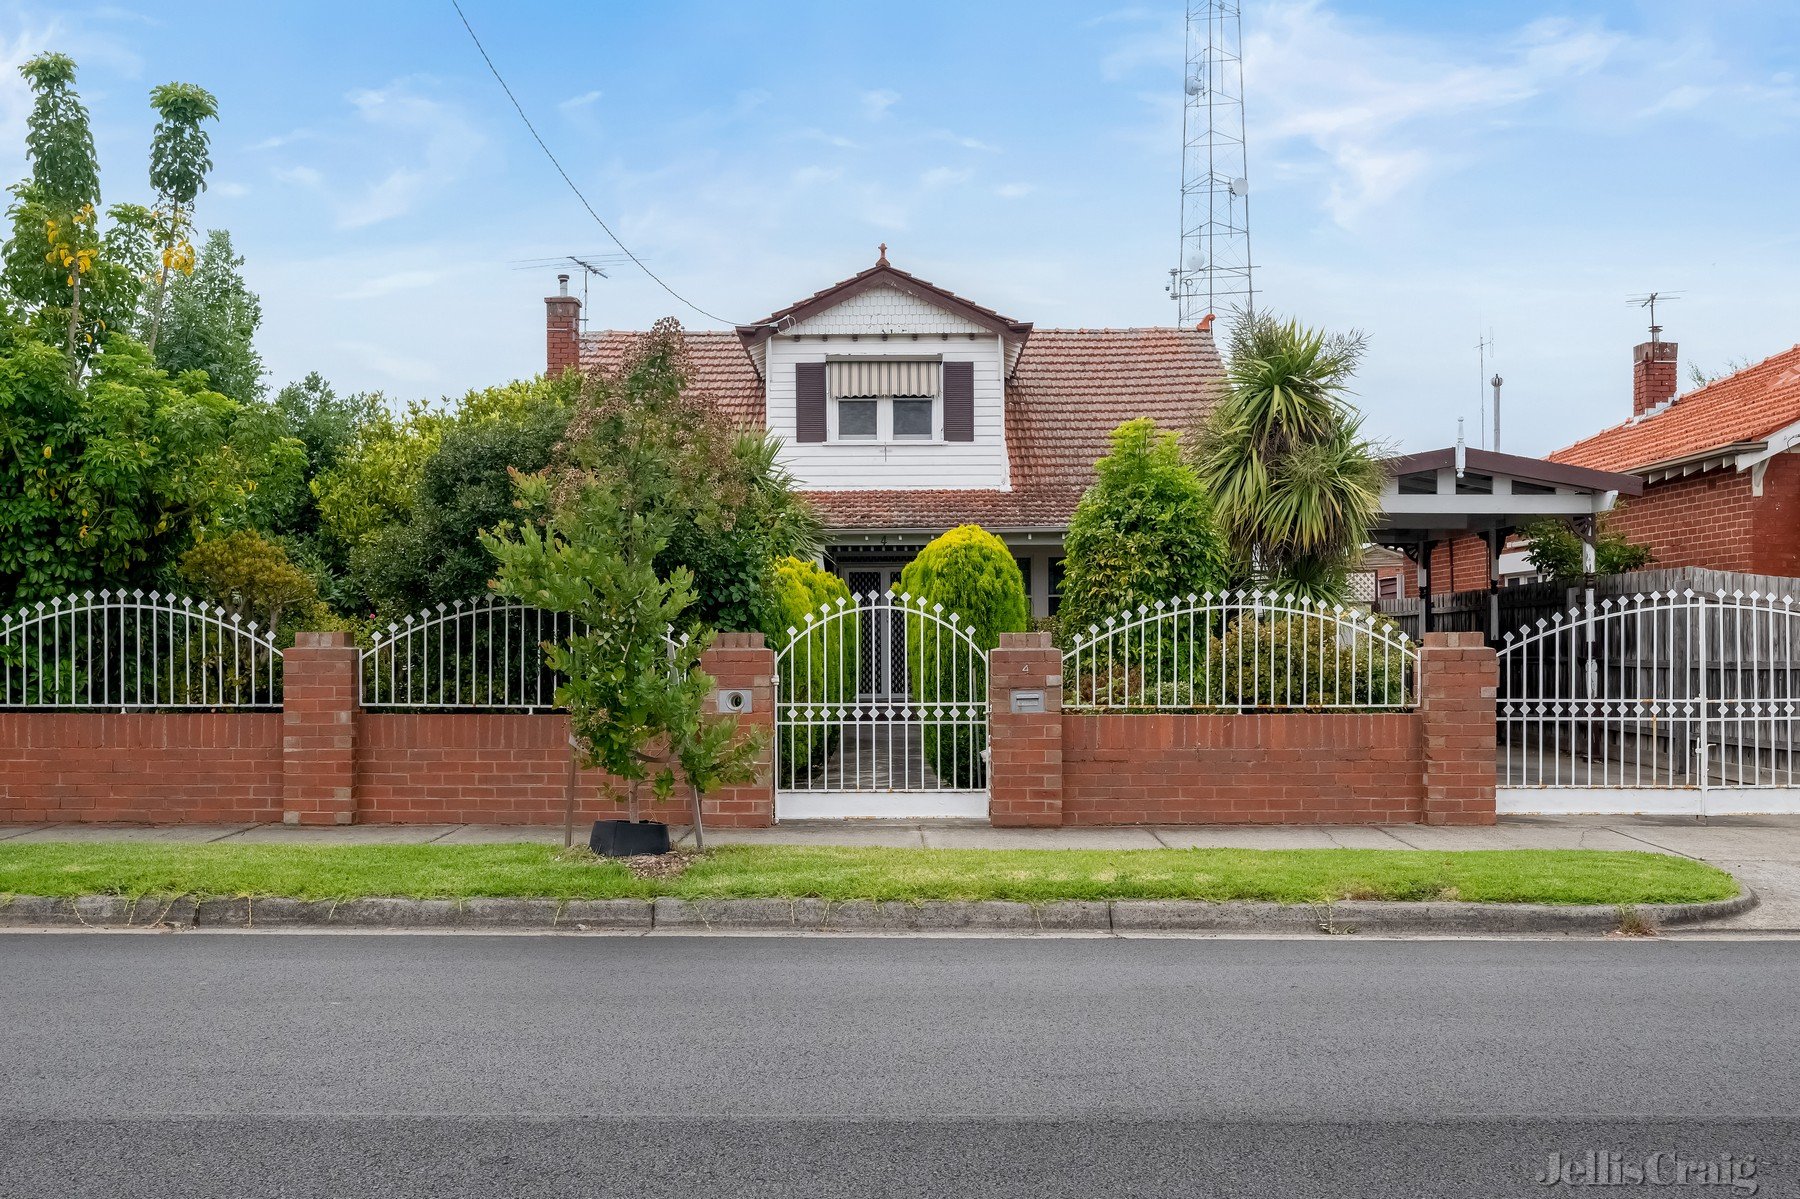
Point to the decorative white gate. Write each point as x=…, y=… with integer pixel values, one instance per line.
x=1669, y=702
x=881, y=710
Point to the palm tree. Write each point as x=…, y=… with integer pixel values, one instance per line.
x=1296, y=483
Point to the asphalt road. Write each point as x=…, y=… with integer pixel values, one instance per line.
x=284, y=1065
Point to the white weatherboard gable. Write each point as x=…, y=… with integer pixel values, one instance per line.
x=885, y=310
x=887, y=322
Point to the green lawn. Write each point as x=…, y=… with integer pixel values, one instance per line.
x=741, y=871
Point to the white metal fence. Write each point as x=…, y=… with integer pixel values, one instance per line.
x=485, y=653
x=124, y=651
x=480, y=654
x=1241, y=651
x=881, y=695
x=1660, y=691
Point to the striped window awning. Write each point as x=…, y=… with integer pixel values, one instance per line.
x=859, y=378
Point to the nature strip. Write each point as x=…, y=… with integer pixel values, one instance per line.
x=859, y=916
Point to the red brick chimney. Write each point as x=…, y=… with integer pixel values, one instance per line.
x=562, y=330
x=1652, y=375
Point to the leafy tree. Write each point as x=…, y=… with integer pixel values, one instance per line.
x=465, y=488
x=640, y=456
x=1555, y=550
x=208, y=321
x=734, y=541
x=251, y=576
x=972, y=574
x=1143, y=532
x=180, y=157
x=372, y=485
x=1296, y=484
x=102, y=482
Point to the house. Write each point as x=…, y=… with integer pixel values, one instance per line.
x=906, y=410
x=1720, y=465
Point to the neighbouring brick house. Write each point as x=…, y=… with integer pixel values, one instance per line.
x=907, y=410
x=1719, y=464
x=1720, y=468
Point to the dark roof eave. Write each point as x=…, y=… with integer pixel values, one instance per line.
x=1535, y=470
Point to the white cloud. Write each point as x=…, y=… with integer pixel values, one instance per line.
x=419, y=146
x=876, y=103
x=577, y=103
x=1014, y=191
x=393, y=281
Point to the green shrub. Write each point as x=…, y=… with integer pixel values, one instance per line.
x=1312, y=661
x=970, y=574
x=1145, y=531
x=820, y=664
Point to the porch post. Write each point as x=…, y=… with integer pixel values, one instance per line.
x=1025, y=783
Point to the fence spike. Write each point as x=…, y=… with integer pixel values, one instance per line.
x=409, y=618
x=88, y=595
x=1192, y=598
x=138, y=593
x=458, y=605
x=105, y=594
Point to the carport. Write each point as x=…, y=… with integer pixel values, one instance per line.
x=1441, y=496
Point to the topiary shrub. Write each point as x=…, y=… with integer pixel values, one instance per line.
x=1145, y=531
x=970, y=574
x=819, y=667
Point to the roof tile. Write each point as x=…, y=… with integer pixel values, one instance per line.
x=1743, y=407
x=1071, y=389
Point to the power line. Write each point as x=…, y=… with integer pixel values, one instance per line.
x=537, y=137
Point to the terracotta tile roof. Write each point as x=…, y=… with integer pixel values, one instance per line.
x=1744, y=407
x=1071, y=389
x=722, y=369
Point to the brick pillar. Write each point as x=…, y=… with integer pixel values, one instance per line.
x=1025, y=748
x=321, y=686
x=742, y=662
x=1458, y=678
x=562, y=333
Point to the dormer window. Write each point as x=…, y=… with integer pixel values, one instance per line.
x=884, y=399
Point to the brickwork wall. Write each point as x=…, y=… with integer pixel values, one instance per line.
x=136, y=766
x=1278, y=768
x=562, y=334
x=323, y=760
x=1458, y=681
x=1026, y=766
x=1707, y=520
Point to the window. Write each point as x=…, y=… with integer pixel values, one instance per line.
x=1474, y=484
x=1024, y=565
x=1419, y=483
x=886, y=399
x=914, y=418
x=1056, y=580
x=858, y=420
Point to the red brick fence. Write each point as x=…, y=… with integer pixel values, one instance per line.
x=324, y=760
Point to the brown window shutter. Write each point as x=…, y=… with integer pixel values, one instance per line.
x=809, y=401
x=959, y=401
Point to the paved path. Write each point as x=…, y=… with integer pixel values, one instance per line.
x=1764, y=851
x=298, y=1065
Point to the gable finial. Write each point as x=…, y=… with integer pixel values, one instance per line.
x=882, y=259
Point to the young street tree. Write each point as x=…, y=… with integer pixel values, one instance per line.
x=180, y=157
x=640, y=458
x=1297, y=486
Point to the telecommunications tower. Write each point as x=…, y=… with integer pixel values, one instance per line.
x=1214, y=270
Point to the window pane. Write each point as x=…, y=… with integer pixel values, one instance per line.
x=912, y=418
x=856, y=418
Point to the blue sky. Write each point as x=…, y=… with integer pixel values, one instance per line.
x=1424, y=171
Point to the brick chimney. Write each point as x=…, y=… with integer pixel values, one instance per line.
x=562, y=330
x=1653, y=375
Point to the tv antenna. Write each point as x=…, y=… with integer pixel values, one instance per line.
x=1214, y=263
x=1650, y=300
x=1483, y=348
x=591, y=265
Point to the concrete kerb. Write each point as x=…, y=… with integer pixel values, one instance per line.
x=1127, y=917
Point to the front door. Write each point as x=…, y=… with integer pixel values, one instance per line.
x=882, y=670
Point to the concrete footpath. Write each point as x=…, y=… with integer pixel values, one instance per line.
x=1762, y=851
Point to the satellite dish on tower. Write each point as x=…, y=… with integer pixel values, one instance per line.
x=1195, y=85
